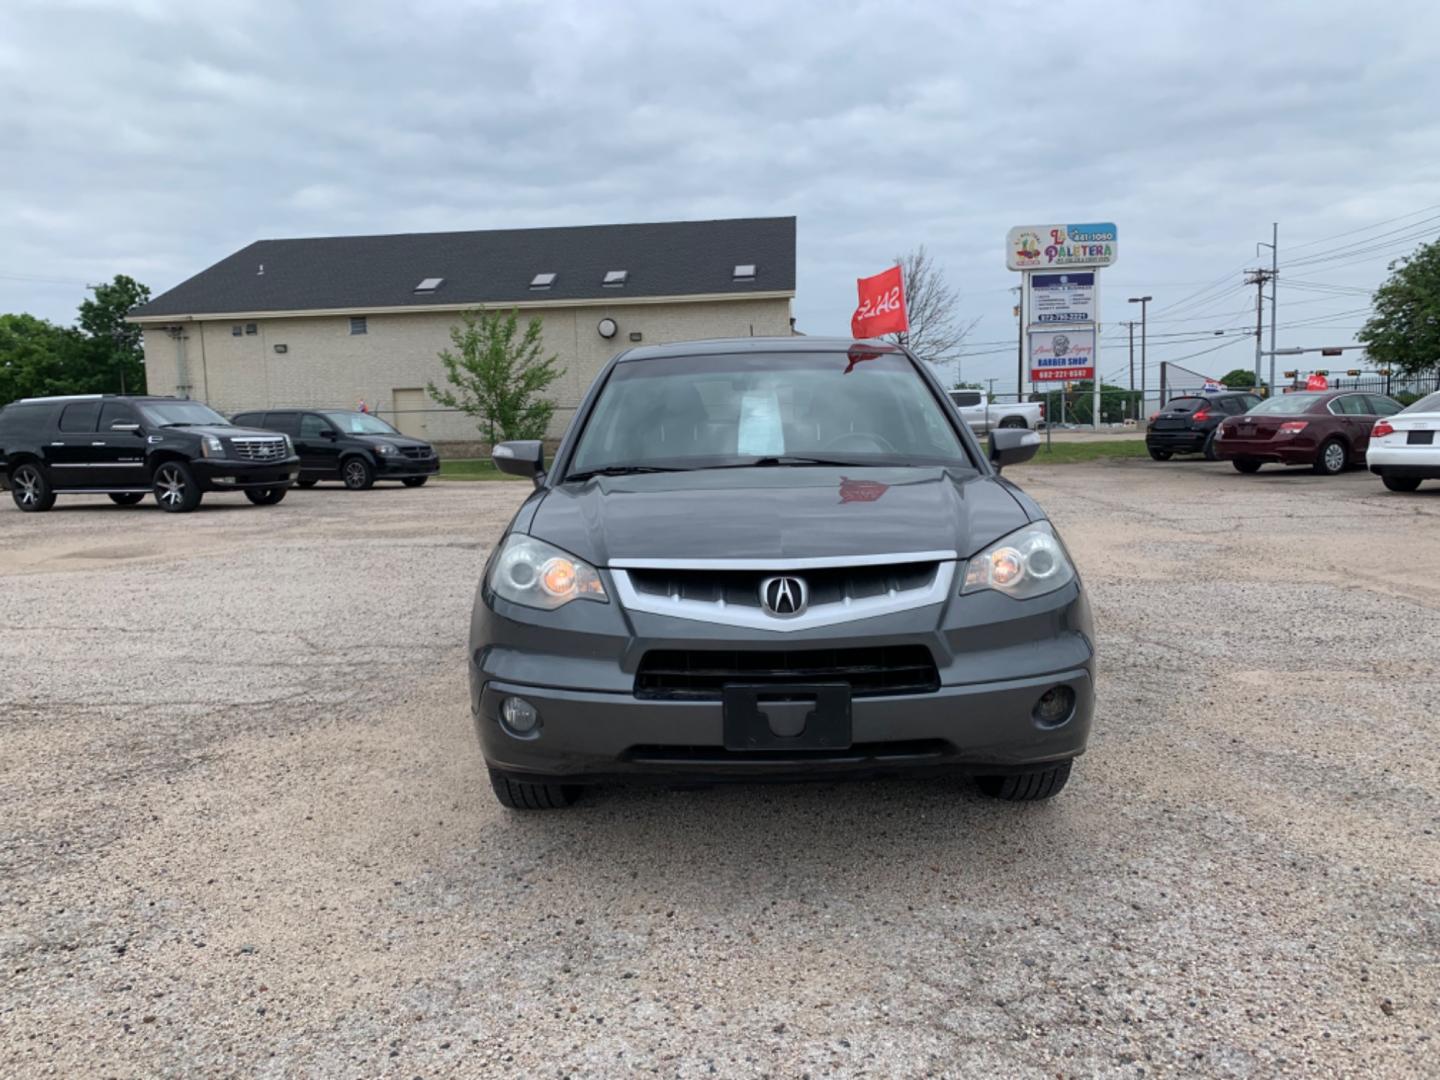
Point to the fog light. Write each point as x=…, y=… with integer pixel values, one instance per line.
x=1054, y=706
x=519, y=716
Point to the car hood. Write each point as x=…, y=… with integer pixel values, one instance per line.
x=777, y=513
x=219, y=431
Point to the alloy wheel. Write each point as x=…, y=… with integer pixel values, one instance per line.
x=27, y=485
x=170, y=485
x=355, y=474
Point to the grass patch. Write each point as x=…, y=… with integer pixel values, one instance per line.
x=473, y=469
x=1067, y=453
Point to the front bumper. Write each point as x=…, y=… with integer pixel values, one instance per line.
x=405, y=468
x=995, y=656
x=221, y=474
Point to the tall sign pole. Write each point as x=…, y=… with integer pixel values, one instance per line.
x=1060, y=292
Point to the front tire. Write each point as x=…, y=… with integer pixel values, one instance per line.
x=266, y=496
x=1026, y=786
x=126, y=498
x=1160, y=455
x=415, y=481
x=1246, y=465
x=358, y=474
x=176, y=491
x=1401, y=483
x=30, y=490
x=1332, y=458
x=529, y=795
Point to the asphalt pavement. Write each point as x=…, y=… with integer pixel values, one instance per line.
x=246, y=828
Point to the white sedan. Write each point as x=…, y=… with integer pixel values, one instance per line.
x=1405, y=448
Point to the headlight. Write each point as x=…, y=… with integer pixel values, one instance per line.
x=1029, y=562
x=210, y=446
x=386, y=449
x=531, y=572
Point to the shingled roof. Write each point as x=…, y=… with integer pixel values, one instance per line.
x=497, y=266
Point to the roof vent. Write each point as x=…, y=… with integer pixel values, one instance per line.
x=430, y=284
x=615, y=278
x=542, y=281
x=744, y=271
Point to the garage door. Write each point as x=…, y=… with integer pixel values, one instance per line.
x=411, y=412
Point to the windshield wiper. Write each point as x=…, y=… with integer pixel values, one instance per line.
x=625, y=470
x=790, y=459
x=179, y=423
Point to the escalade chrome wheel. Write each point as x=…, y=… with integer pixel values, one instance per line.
x=175, y=488
x=29, y=489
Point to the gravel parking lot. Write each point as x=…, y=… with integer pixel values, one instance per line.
x=246, y=829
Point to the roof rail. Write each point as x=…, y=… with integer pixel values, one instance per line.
x=62, y=397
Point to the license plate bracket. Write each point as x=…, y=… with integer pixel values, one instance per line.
x=802, y=716
x=1421, y=438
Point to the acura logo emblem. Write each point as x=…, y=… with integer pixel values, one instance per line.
x=784, y=596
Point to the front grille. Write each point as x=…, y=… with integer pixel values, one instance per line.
x=831, y=585
x=701, y=674
x=259, y=449
x=419, y=453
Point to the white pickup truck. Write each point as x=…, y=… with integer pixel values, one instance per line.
x=982, y=414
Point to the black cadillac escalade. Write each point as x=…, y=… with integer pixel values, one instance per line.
x=128, y=447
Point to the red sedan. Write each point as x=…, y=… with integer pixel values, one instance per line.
x=1328, y=430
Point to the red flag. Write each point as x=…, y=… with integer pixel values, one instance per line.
x=882, y=305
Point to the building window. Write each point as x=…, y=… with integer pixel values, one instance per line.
x=542, y=281
x=744, y=272
x=251, y=328
x=615, y=278
x=357, y=325
x=237, y=329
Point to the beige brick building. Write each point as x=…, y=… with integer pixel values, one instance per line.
x=331, y=322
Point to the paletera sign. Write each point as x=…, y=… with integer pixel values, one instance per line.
x=1046, y=247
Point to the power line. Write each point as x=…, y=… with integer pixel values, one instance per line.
x=1366, y=228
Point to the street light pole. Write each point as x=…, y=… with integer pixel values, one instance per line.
x=1132, y=410
x=1144, y=302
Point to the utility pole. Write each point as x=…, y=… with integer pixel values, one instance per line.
x=1274, y=247
x=1020, y=344
x=1258, y=278
x=1144, y=302
x=1133, y=411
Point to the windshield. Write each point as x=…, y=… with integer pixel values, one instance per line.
x=869, y=408
x=181, y=414
x=359, y=423
x=1285, y=405
x=1425, y=404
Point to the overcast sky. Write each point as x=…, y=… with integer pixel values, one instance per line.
x=154, y=137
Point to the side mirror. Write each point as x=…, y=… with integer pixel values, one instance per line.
x=121, y=425
x=1011, y=446
x=523, y=457
x=330, y=433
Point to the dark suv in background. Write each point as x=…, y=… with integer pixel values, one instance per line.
x=353, y=447
x=1186, y=425
x=128, y=447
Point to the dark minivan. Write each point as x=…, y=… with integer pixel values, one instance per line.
x=130, y=447
x=354, y=447
x=1186, y=425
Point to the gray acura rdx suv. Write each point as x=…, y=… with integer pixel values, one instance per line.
x=776, y=559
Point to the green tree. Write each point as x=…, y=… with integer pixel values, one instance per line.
x=1404, y=331
x=498, y=377
x=1112, y=402
x=117, y=357
x=1239, y=379
x=37, y=358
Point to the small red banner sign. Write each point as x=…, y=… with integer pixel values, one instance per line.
x=882, y=305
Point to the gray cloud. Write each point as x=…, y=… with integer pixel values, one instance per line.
x=155, y=137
